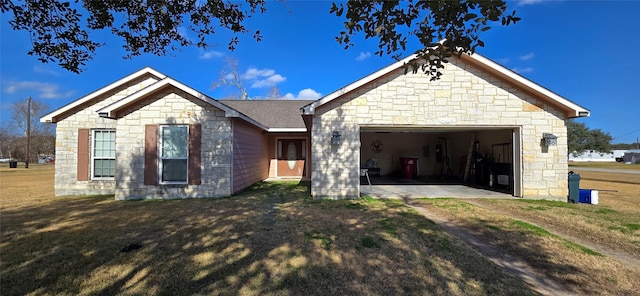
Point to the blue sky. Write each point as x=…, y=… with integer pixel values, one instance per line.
x=582, y=50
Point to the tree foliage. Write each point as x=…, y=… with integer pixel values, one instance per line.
x=580, y=138
x=444, y=28
x=62, y=32
x=625, y=146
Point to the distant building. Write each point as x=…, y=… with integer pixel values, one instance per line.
x=613, y=156
x=596, y=156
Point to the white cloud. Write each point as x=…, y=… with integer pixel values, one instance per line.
x=503, y=61
x=254, y=73
x=210, y=54
x=44, y=70
x=261, y=78
x=44, y=90
x=184, y=33
x=532, y=2
x=527, y=57
x=363, y=56
x=522, y=70
x=269, y=81
x=305, y=94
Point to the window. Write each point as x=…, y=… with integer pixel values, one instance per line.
x=174, y=154
x=103, y=154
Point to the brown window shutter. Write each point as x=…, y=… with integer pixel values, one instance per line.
x=195, y=143
x=83, y=154
x=151, y=154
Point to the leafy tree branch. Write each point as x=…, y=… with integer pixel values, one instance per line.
x=61, y=31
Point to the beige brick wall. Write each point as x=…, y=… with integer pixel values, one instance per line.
x=464, y=96
x=174, y=107
x=66, y=177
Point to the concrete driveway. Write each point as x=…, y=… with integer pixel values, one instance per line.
x=429, y=191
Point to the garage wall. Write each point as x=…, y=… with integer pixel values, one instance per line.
x=463, y=97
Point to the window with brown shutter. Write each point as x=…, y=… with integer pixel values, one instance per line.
x=172, y=154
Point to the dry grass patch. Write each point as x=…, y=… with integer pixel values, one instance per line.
x=20, y=187
x=269, y=240
x=577, y=268
x=614, y=223
x=604, y=165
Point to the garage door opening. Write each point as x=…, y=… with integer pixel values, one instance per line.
x=486, y=158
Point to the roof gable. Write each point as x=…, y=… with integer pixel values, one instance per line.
x=54, y=116
x=111, y=111
x=572, y=109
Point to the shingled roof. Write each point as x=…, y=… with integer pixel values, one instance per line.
x=274, y=114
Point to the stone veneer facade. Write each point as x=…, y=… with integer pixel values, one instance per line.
x=66, y=171
x=170, y=106
x=464, y=97
x=175, y=107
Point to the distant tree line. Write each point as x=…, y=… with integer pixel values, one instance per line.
x=580, y=138
x=625, y=146
x=13, y=136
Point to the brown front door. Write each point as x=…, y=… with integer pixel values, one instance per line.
x=291, y=157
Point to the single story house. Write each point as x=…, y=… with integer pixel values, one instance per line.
x=150, y=136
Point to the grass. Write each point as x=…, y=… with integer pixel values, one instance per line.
x=523, y=230
x=230, y=246
x=604, y=165
x=243, y=245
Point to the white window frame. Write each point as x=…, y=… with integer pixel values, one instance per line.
x=94, y=157
x=161, y=158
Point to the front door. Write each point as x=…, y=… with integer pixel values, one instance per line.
x=291, y=157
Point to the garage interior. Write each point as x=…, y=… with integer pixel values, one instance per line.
x=480, y=158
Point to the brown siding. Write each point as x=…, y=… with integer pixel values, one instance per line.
x=195, y=135
x=151, y=154
x=271, y=152
x=250, y=159
x=83, y=154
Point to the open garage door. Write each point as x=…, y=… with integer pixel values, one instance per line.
x=480, y=157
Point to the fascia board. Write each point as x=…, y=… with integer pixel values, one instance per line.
x=111, y=110
x=146, y=70
x=310, y=109
x=287, y=130
x=577, y=110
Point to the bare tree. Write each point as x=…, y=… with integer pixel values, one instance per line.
x=231, y=78
x=25, y=120
x=6, y=138
x=274, y=94
x=21, y=113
